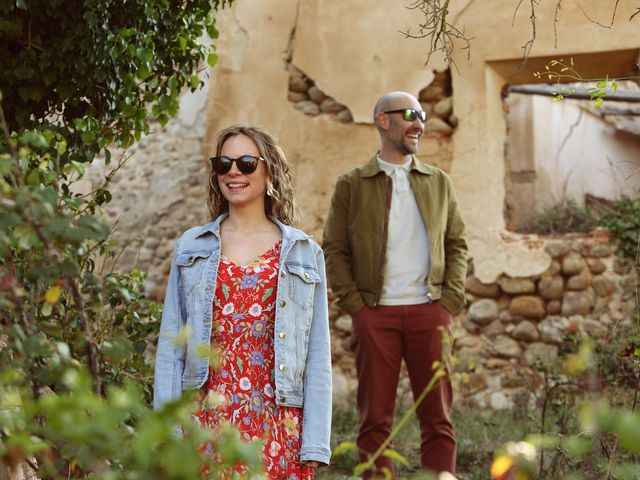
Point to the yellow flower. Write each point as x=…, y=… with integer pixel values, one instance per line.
x=52, y=294
x=501, y=466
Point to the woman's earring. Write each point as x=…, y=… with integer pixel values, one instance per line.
x=270, y=190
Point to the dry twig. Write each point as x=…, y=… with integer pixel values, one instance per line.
x=438, y=30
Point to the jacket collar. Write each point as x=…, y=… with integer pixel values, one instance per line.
x=371, y=168
x=288, y=233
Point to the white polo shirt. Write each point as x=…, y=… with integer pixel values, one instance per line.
x=407, y=258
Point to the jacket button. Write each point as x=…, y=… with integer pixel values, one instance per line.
x=283, y=273
x=282, y=303
x=282, y=335
x=306, y=275
x=282, y=367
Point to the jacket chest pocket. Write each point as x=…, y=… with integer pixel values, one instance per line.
x=191, y=265
x=302, y=282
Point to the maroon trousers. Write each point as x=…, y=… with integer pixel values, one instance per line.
x=382, y=336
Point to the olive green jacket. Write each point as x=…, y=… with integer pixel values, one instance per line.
x=355, y=235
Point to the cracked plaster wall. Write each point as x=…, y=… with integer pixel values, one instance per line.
x=478, y=168
x=354, y=53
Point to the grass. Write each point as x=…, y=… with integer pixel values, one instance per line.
x=478, y=434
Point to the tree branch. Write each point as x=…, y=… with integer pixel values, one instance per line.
x=438, y=30
x=613, y=15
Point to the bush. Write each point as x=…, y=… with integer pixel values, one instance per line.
x=564, y=217
x=76, y=342
x=624, y=223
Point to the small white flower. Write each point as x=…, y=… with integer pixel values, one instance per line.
x=268, y=390
x=228, y=309
x=245, y=384
x=255, y=310
x=274, y=448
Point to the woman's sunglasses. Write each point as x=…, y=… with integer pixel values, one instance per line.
x=410, y=114
x=246, y=164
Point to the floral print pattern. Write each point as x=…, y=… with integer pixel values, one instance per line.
x=242, y=334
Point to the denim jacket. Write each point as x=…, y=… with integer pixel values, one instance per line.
x=301, y=340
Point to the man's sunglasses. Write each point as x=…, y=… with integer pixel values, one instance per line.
x=246, y=164
x=410, y=114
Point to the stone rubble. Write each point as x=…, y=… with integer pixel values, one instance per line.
x=515, y=327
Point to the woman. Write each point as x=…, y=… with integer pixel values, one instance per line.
x=254, y=288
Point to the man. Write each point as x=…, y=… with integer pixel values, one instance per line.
x=396, y=260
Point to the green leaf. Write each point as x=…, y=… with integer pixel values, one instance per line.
x=628, y=431
x=46, y=309
x=225, y=291
x=393, y=455
x=343, y=447
x=360, y=468
x=267, y=293
x=239, y=364
x=212, y=59
x=6, y=163
x=578, y=446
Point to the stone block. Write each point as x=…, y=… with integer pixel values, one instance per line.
x=526, y=331
x=554, y=307
x=596, y=266
x=499, y=401
x=551, y=288
x=540, y=353
x=555, y=268
x=576, y=303
x=484, y=311
x=557, y=249
x=578, y=282
x=316, y=94
x=553, y=329
x=601, y=250
x=479, y=289
x=299, y=83
x=344, y=324
x=516, y=286
x=296, y=97
x=595, y=329
x=474, y=384
x=431, y=94
x=506, y=346
x=308, y=107
x=497, y=363
x=470, y=325
x=329, y=105
x=505, y=316
x=528, y=306
x=603, y=286
x=621, y=266
x=345, y=116
x=572, y=264
x=494, y=329
x=443, y=108
x=468, y=341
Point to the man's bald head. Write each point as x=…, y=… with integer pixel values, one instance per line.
x=394, y=101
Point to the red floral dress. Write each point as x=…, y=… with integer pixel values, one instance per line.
x=242, y=334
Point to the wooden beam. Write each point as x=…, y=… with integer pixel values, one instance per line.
x=553, y=90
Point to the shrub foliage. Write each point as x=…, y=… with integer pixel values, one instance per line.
x=80, y=78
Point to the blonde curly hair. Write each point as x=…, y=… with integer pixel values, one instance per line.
x=278, y=200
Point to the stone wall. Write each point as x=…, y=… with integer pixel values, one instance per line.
x=515, y=323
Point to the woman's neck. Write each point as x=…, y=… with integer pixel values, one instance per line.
x=247, y=219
